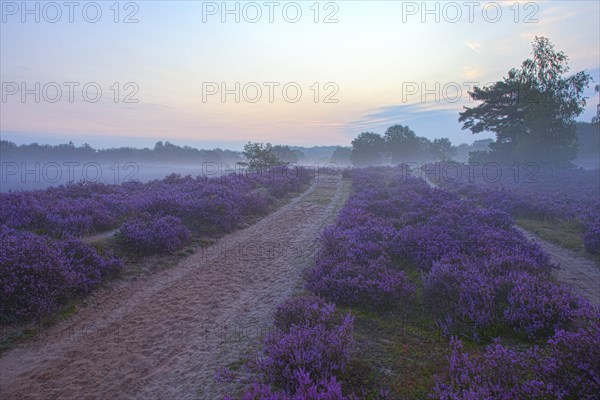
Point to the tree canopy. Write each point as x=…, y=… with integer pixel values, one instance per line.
x=285, y=154
x=398, y=144
x=368, y=149
x=532, y=110
x=442, y=149
x=259, y=156
x=341, y=155
x=403, y=144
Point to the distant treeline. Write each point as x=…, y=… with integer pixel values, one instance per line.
x=401, y=144
x=397, y=145
x=588, y=137
x=162, y=153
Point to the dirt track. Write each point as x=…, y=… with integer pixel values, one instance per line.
x=581, y=274
x=162, y=337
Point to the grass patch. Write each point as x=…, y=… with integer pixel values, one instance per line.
x=567, y=234
x=322, y=197
x=322, y=201
x=13, y=336
x=398, y=350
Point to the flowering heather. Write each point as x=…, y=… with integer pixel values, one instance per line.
x=355, y=263
x=567, y=367
x=41, y=264
x=316, y=350
x=155, y=235
x=305, y=353
x=480, y=276
x=591, y=239
x=538, y=307
x=500, y=373
x=572, y=195
x=479, y=273
x=375, y=283
x=39, y=273
x=304, y=311
x=462, y=298
x=307, y=390
x=207, y=204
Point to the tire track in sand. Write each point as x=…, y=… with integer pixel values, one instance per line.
x=163, y=336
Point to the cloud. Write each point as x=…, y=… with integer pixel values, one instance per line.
x=326, y=124
x=473, y=73
x=425, y=121
x=476, y=47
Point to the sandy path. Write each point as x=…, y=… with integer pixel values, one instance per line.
x=582, y=274
x=163, y=336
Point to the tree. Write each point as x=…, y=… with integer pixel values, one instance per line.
x=424, y=146
x=532, y=111
x=368, y=149
x=341, y=155
x=588, y=137
x=462, y=152
x=442, y=149
x=596, y=118
x=259, y=156
x=403, y=145
x=482, y=145
x=285, y=154
x=480, y=150
x=300, y=156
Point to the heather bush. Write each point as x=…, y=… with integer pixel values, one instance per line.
x=462, y=228
x=207, y=204
x=564, y=195
x=573, y=363
x=155, y=235
x=39, y=273
x=499, y=373
x=591, y=239
x=304, y=311
x=306, y=352
x=538, y=307
x=567, y=367
x=375, y=284
x=257, y=202
x=33, y=275
x=87, y=265
x=421, y=246
x=317, y=350
x=462, y=298
x=307, y=390
x=532, y=261
x=470, y=295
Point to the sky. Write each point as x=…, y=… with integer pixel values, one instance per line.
x=306, y=73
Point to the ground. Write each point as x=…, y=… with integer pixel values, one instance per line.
x=164, y=335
